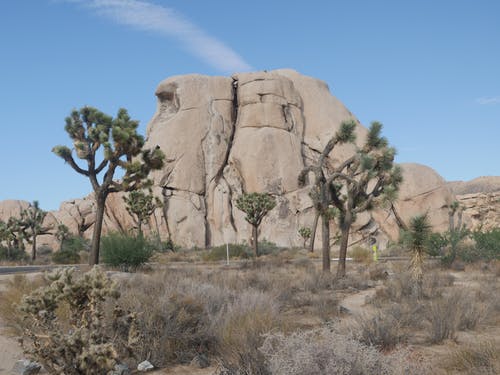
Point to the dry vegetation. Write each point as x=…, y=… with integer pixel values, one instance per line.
x=280, y=315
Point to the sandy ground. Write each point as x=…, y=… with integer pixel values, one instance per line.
x=10, y=351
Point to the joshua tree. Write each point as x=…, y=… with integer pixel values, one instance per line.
x=305, y=233
x=141, y=206
x=31, y=220
x=62, y=234
x=357, y=184
x=418, y=237
x=256, y=206
x=16, y=234
x=93, y=134
x=456, y=231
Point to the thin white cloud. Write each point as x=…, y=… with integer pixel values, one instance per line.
x=146, y=16
x=488, y=100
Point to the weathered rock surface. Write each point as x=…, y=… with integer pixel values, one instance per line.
x=483, y=184
x=480, y=201
x=250, y=132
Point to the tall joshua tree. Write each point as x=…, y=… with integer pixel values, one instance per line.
x=31, y=221
x=94, y=134
x=256, y=206
x=357, y=184
x=62, y=234
x=141, y=206
x=321, y=190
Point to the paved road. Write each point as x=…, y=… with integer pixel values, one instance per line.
x=9, y=270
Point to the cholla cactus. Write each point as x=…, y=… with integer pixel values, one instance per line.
x=82, y=343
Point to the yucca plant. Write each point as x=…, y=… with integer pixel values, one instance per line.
x=418, y=237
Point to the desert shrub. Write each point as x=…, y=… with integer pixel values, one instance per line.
x=382, y=330
x=378, y=272
x=12, y=254
x=174, y=321
x=267, y=247
x=474, y=359
x=125, y=251
x=487, y=244
x=162, y=246
x=66, y=257
x=361, y=254
x=11, y=297
x=240, y=330
x=436, y=244
x=399, y=287
x=322, y=351
x=443, y=315
x=187, y=312
x=472, y=311
x=326, y=306
x=82, y=344
x=220, y=252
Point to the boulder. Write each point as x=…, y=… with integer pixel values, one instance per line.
x=252, y=132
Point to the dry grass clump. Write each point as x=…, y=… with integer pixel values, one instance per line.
x=11, y=297
x=382, y=330
x=456, y=311
x=239, y=330
x=361, y=254
x=322, y=351
x=183, y=313
x=474, y=359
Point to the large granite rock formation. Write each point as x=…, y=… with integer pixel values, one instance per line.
x=251, y=132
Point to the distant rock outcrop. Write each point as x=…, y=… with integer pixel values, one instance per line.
x=251, y=132
x=480, y=200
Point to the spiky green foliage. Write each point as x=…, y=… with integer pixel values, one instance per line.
x=125, y=252
x=81, y=342
x=31, y=221
x=417, y=240
x=256, y=206
x=366, y=179
x=62, y=234
x=141, y=206
x=92, y=131
x=305, y=233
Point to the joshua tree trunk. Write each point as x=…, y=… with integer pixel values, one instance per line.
x=255, y=240
x=96, y=236
x=313, y=232
x=344, y=240
x=325, y=234
x=33, y=249
x=139, y=228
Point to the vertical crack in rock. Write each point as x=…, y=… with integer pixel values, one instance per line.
x=208, y=234
x=220, y=172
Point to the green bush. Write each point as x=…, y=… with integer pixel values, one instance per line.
x=220, y=252
x=76, y=244
x=436, y=244
x=70, y=251
x=267, y=247
x=125, y=251
x=487, y=244
x=12, y=254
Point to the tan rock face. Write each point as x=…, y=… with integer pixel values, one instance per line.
x=255, y=132
x=252, y=132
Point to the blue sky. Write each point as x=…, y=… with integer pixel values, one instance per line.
x=428, y=70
